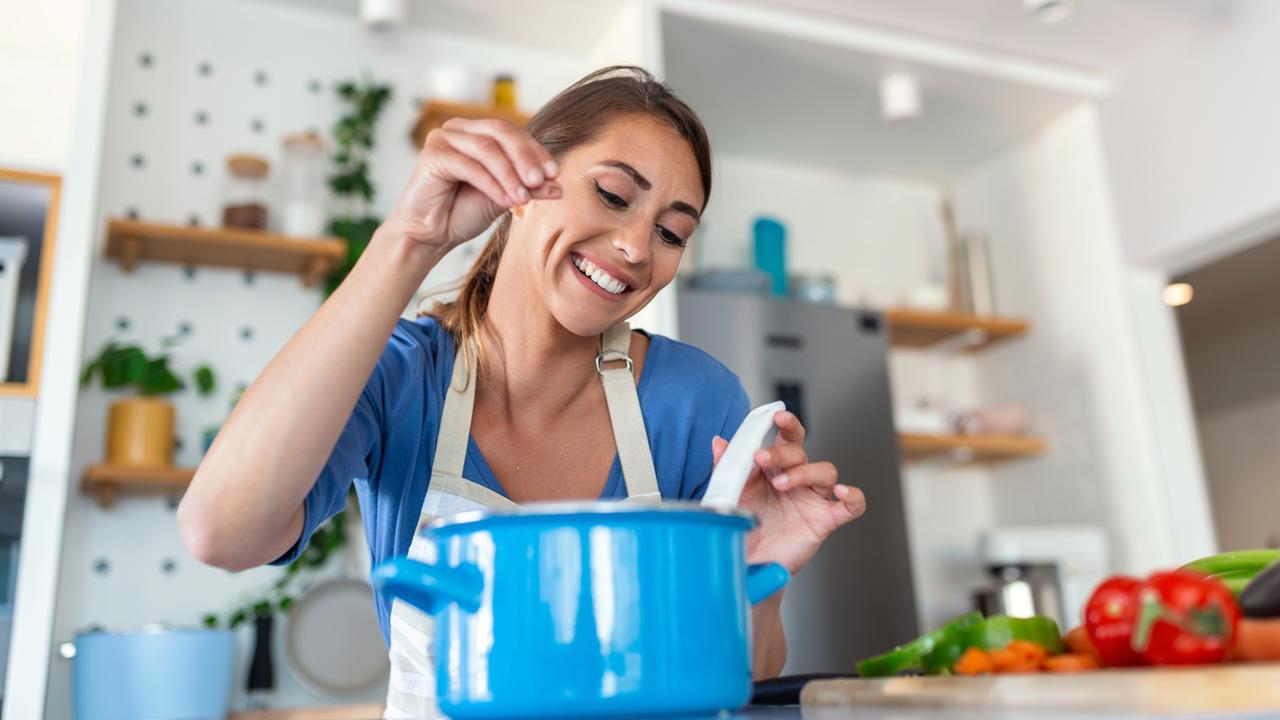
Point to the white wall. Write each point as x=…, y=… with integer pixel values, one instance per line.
x=1190, y=134
x=1059, y=262
x=40, y=49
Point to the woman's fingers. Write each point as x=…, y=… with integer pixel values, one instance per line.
x=528, y=166
x=781, y=457
x=474, y=173
x=821, y=476
x=790, y=431
x=850, y=504
x=489, y=153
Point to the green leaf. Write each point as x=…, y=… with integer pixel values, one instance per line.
x=286, y=602
x=209, y=620
x=204, y=379
x=237, y=618
x=158, y=379
x=262, y=607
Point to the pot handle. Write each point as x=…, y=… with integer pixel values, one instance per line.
x=764, y=580
x=430, y=586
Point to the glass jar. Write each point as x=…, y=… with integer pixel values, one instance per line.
x=304, y=170
x=504, y=92
x=245, y=197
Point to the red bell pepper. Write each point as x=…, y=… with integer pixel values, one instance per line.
x=1110, y=617
x=1186, y=618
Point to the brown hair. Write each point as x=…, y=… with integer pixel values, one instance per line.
x=570, y=119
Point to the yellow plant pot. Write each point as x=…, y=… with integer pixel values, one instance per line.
x=140, y=433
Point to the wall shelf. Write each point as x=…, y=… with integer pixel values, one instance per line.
x=969, y=449
x=434, y=113
x=910, y=328
x=130, y=242
x=107, y=482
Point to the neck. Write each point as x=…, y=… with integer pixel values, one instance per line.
x=532, y=364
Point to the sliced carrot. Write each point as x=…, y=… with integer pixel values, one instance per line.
x=1029, y=653
x=1258, y=639
x=1070, y=663
x=974, y=661
x=1078, y=642
x=1011, y=661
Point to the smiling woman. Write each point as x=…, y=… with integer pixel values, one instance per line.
x=528, y=386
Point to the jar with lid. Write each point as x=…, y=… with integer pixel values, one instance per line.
x=245, y=197
x=304, y=171
x=504, y=92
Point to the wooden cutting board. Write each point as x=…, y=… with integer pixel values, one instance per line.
x=1226, y=688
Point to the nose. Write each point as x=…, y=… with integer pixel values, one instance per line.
x=632, y=241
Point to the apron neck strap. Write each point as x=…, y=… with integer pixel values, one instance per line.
x=624, y=414
x=620, y=396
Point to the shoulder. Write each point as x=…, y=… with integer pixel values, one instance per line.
x=683, y=364
x=681, y=374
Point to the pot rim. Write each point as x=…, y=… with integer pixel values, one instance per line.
x=586, y=507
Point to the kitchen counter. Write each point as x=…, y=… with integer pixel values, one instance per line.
x=794, y=712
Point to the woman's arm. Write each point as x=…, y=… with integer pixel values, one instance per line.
x=245, y=505
x=768, y=641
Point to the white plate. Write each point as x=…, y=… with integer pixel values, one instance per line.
x=333, y=640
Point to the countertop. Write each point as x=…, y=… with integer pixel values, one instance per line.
x=794, y=712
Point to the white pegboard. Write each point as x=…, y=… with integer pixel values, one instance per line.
x=192, y=81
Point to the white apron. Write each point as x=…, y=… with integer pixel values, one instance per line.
x=412, y=689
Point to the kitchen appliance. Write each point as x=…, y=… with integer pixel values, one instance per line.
x=1076, y=555
x=1022, y=590
x=156, y=672
x=588, y=609
x=828, y=364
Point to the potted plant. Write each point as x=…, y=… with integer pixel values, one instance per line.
x=140, y=428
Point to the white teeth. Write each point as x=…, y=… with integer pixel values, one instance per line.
x=599, y=276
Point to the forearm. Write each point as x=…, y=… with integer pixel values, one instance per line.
x=769, y=641
x=244, y=505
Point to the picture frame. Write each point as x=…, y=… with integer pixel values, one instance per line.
x=28, y=232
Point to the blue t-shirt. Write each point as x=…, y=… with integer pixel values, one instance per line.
x=388, y=445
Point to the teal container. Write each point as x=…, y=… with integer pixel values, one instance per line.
x=770, y=242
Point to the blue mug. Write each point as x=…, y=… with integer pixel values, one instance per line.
x=588, y=609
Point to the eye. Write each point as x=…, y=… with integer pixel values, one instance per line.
x=669, y=237
x=613, y=201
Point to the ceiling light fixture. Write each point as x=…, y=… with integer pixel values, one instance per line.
x=1050, y=11
x=1177, y=294
x=383, y=15
x=899, y=97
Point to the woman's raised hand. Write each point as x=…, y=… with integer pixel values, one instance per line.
x=798, y=503
x=468, y=173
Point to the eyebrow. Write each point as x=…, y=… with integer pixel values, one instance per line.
x=644, y=184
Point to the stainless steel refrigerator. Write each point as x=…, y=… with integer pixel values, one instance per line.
x=829, y=365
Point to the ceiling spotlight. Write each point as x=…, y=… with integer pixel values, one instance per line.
x=383, y=15
x=1050, y=11
x=1177, y=294
x=899, y=97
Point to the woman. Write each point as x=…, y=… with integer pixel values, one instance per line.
x=595, y=203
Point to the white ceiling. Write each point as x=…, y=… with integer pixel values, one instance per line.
x=1100, y=35
x=769, y=96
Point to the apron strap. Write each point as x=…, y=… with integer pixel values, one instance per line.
x=625, y=416
x=455, y=418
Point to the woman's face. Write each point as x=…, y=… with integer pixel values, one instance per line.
x=631, y=201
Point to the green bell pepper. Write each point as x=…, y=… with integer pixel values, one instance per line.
x=932, y=653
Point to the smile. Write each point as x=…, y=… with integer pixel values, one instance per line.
x=607, y=282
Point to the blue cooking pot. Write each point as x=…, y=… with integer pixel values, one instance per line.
x=588, y=609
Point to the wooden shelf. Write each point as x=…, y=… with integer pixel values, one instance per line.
x=969, y=449
x=109, y=481
x=434, y=113
x=911, y=328
x=371, y=711
x=131, y=242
